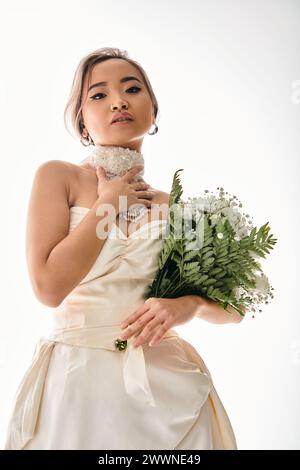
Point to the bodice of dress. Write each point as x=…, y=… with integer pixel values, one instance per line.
x=116, y=284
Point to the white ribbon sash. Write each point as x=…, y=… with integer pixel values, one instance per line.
x=29, y=394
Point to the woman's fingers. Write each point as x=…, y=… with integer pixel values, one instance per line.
x=139, y=185
x=132, y=172
x=101, y=173
x=146, y=194
x=146, y=202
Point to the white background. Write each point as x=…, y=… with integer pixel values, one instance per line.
x=227, y=78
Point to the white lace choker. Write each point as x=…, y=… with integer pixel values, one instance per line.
x=117, y=161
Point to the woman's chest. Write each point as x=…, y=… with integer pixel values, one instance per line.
x=84, y=193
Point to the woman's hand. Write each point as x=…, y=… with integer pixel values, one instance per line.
x=156, y=316
x=135, y=192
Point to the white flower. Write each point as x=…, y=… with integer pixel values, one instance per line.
x=262, y=283
x=238, y=291
x=214, y=219
x=220, y=235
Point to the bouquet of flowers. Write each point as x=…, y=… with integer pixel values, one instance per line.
x=211, y=249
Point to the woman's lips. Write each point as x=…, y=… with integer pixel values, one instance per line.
x=122, y=123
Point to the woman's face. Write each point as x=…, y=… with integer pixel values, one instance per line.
x=102, y=103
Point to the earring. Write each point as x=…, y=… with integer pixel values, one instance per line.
x=155, y=130
x=86, y=141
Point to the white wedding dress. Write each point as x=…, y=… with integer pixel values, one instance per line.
x=83, y=391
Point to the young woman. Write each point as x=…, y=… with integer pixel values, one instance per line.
x=89, y=385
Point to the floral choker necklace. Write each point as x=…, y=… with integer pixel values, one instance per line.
x=116, y=161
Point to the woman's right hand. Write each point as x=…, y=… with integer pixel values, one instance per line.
x=135, y=192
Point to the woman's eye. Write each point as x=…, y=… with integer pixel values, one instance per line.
x=97, y=94
x=138, y=88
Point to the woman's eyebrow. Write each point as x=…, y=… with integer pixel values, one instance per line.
x=124, y=79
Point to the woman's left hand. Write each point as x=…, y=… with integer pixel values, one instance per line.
x=156, y=316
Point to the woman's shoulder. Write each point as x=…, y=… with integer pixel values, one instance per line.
x=66, y=172
x=56, y=165
x=68, y=169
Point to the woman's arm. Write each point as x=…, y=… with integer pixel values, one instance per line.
x=58, y=260
x=213, y=312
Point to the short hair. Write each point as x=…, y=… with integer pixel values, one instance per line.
x=73, y=109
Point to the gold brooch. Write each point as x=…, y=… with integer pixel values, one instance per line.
x=121, y=344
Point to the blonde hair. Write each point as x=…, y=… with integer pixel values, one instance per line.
x=72, y=112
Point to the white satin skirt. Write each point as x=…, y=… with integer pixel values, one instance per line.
x=85, y=406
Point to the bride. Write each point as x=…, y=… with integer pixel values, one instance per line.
x=112, y=373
